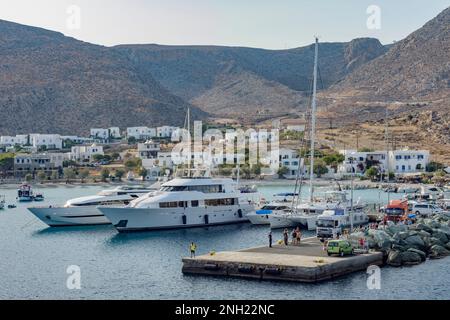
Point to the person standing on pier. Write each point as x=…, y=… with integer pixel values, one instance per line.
x=270, y=239
x=299, y=235
x=286, y=237
x=192, y=248
x=294, y=237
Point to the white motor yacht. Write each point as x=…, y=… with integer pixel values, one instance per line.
x=261, y=216
x=182, y=203
x=83, y=210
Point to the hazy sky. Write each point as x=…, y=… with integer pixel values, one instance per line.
x=274, y=24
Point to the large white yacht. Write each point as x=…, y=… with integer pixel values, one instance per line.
x=181, y=203
x=83, y=210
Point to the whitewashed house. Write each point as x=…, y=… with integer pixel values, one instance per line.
x=397, y=161
x=20, y=139
x=290, y=159
x=77, y=139
x=295, y=127
x=105, y=134
x=141, y=133
x=47, y=141
x=165, y=131
x=148, y=149
x=85, y=153
x=408, y=161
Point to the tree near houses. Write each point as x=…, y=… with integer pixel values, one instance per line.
x=320, y=168
x=83, y=174
x=119, y=174
x=372, y=173
x=54, y=175
x=282, y=171
x=143, y=172
x=69, y=174
x=42, y=176
x=28, y=177
x=104, y=174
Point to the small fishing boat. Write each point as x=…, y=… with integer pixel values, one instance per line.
x=2, y=202
x=25, y=193
x=38, y=197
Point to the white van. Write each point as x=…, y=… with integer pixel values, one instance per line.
x=426, y=209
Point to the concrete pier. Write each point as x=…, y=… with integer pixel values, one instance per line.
x=307, y=262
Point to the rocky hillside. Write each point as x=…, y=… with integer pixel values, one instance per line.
x=238, y=81
x=414, y=69
x=52, y=83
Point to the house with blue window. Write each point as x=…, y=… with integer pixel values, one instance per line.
x=408, y=161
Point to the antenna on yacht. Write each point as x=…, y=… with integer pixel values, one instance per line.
x=313, y=121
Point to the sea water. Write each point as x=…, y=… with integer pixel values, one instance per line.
x=35, y=260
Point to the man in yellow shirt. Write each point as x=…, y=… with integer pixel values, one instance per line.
x=192, y=248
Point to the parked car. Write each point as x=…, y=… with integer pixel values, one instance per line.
x=340, y=247
x=426, y=209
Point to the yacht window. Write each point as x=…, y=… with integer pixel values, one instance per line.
x=173, y=204
x=220, y=202
x=182, y=204
x=194, y=203
x=217, y=188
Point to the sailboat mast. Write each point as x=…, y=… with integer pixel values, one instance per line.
x=313, y=121
x=188, y=119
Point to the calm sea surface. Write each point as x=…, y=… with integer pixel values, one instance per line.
x=34, y=259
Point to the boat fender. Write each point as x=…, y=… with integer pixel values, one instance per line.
x=246, y=269
x=273, y=271
x=206, y=219
x=184, y=219
x=240, y=213
x=211, y=266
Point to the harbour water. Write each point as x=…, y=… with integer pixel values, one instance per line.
x=34, y=260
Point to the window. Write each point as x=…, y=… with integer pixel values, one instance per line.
x=168, y=204
x=194, y=203
x=220, y=202
x=398, y=157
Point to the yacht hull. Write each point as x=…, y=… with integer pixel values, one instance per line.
x=70, y=216
x=280, y=221
x=146, y=219
x=258, y=219
x=308, y=222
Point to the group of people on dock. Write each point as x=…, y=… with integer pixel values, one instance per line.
x=296, y=237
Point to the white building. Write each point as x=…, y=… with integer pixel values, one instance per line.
x=407, y=161
x=85, y=153
x=105, y=134
x=58, y=158
x=141, y=133
x=77, y=139
x=20, y=139
x=49, y=141
x=398, y=161
x=165, y=131
x=148, y=149
x=290, y=159
x=295, y=127
x=358, y=162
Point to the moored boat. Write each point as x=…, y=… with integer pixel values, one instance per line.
x=183, y=203
x=83, y=210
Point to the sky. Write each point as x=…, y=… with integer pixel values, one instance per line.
x=270, y=24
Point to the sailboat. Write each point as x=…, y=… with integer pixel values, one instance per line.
x=305, y=213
